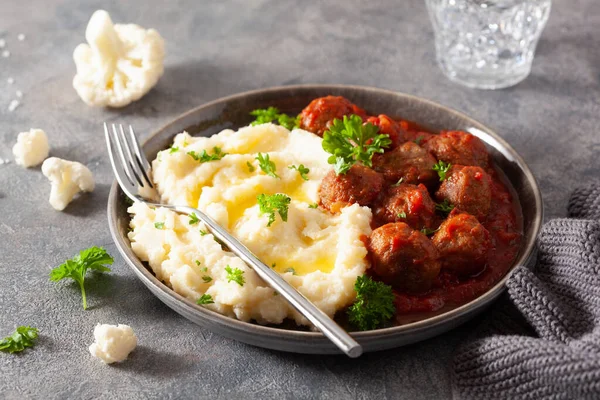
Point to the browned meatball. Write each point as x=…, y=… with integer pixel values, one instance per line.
x=406, y=203
x=359, y=185
x=403, y=257
x=409, y=161
x=468, y=189
x=457, y=147
x=463, y=244
x=389, y=127
x=320, y=113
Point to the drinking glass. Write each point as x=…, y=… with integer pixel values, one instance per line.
x=487, y=44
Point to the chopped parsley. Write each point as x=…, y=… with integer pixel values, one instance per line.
x=204, y=269
x=273, y=265
x=429, y=232
x=444, y=207
x=401, y=214
x=290, y=269
x=374, y=304
x=442, y=169
x=198, y=263
x=419, y=140
x=159, y=225
x=350, y=141
x=313, y=205
x=205, y=299
x=24, y=336
x=302, y=170
x=266, y=115
x=94, y=258
x=251, y=167
x=236, y=275
x=194, y=219
x=206, y=278
x=173, y=149
x=266, y=165
x=270, y=204
x=205, y=157
x=203, y=232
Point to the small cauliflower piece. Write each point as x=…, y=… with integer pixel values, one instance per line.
x=120, y=63
x=68, y=178
x=113, y=343
x=31, y=148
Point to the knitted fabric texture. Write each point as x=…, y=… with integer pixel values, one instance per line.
x=542, y=341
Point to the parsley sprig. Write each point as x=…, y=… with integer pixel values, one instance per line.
x=205, y=299
x=236, y=275
x=205, y=157
x=270, y=204
x=442, y=169
x=266, y=115
x=24, y=336
x=266, y=165
x=193, y=219
x=94, y=258
x=302, y=170
x=374, y=304
x=444, y=207
x=350, y=141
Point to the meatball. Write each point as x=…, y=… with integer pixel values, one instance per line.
x=403, y=257
x=359, y=185
x=406, y=203
x=457, y=147
x=409, y=161
x=468, y=189
x=463, y=244
x=389, y=127
x=320, y=113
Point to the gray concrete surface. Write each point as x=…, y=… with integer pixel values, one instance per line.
x=215, y=49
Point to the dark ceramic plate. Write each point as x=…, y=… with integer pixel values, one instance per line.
x=233, y=112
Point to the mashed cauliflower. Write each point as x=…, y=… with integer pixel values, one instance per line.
x=318, y=253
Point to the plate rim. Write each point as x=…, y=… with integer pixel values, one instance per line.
x=247, y=327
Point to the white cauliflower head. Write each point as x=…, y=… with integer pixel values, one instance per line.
x=31, y=148
x=113, y=343
x=120, y=63
x=67, y=178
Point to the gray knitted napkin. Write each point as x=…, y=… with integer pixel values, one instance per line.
x=543, y=339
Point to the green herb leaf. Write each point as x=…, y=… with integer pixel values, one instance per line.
x=94, y=258
x=236, y=275
x=350, y=141
x=419, y=139
x=429, y=232
x=197, y=262
x=374, y=304
x=205, y=299
x=206, y=278
x=266, y=115
x=444, y=207
x=203, y=232
x=173, y=149
x=274, y=203
x=159, y=225
x=23, y=337
x=266, y=165
x=290, y=269
x=273, y=265
x=302, y=170
x=204, y=269
x=402, y=214
x=442, y=169
x=205, y=157
x=193, y=219
x=313, y=205
x=250, y=166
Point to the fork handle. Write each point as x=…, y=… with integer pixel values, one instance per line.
x=328, y=326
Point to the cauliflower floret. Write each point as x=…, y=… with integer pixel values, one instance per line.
x=68, y=178
x=120, y=63
x=113, y=343
x=31, y=148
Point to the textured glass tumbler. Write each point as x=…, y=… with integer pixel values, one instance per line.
x=487, y=44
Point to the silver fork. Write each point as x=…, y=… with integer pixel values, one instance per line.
x=133, y=172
